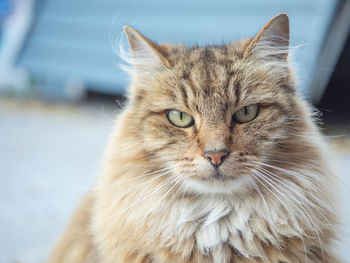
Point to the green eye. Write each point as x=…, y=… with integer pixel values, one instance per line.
x=246, y=114
x=179, y=118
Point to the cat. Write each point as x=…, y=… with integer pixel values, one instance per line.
x=215, y=158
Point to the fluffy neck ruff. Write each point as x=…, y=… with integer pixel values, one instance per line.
x=216, y=227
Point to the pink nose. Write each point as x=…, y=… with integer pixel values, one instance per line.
x=216, y=157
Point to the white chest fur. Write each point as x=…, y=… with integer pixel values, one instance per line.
x=219, y=226
x=215, y=222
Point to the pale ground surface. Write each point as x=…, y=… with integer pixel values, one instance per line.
x=49, y=156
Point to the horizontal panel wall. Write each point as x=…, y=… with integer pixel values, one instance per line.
x=74, y=39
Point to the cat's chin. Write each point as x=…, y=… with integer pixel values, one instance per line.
x=216, y=184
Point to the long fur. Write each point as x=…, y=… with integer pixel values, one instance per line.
x=157, y=199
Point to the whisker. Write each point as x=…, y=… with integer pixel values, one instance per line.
x=286, y=182
x=308, y=217
x=295, y=223
x=308, y=181
x=158, y=189
x=152, y=192
x=114, y=203
x=131, y=179
x=144, y=183
x=302, y=177
x=261, y=196
x=273, y=184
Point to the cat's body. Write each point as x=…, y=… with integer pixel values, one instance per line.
x=209, y=191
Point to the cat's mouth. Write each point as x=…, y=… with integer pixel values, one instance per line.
x=218, y=176
x=216, y=182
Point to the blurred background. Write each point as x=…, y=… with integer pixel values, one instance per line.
x=61, y=88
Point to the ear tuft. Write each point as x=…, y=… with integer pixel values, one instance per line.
x=146, y=55
x=272, y=41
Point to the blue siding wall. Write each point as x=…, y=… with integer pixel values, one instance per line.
x=73, y=39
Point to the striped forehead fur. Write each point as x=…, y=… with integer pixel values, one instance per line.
x=225, y=54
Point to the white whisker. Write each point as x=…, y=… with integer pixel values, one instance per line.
x=295, y=223
x=298, y=205
x=132, y=179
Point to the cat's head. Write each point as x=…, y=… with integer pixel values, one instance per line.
x=214, y=113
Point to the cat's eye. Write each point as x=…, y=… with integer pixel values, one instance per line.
x=246, y=114
x=179, y=118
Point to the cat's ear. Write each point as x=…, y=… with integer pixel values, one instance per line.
x=272, y=41
x=146, y=55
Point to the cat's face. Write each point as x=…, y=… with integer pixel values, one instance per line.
x=215, y=114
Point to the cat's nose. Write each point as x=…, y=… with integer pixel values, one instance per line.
x=216, y=157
